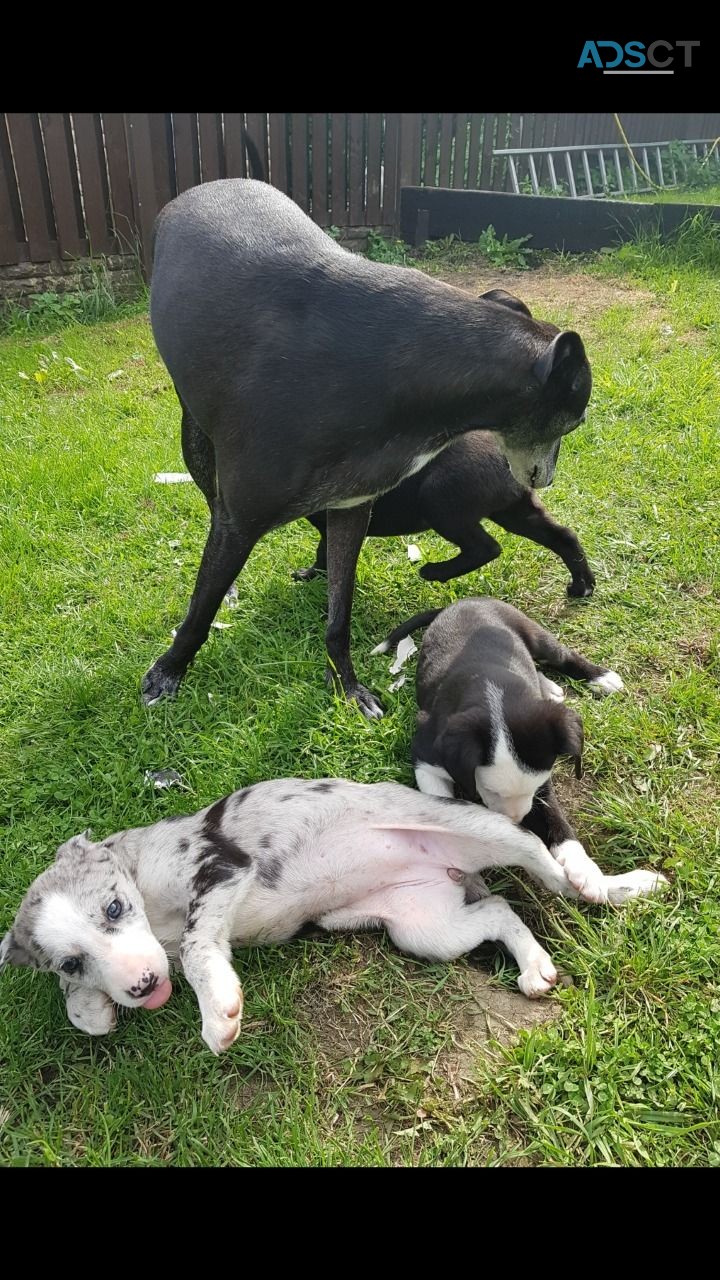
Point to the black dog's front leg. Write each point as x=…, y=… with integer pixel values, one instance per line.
x=547, y=820
x=346, y=528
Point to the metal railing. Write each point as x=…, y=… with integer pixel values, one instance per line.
x=615, y=173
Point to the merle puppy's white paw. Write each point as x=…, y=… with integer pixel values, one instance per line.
x=608, y=682
x=539, y=977
x=91, y=1011
x=222, y=1018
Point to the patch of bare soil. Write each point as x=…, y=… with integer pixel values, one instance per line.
x=548, y=287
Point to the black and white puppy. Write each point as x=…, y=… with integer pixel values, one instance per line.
x=492, y=724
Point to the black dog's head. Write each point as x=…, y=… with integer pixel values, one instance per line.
x=505, y=763
x=544, y=398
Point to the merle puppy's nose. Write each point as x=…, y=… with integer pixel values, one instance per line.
x=144, y=988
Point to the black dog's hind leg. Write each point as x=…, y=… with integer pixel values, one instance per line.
x=545, y=647
x=199, y=455
x=346, y=528
x=529, y=518
x=320, y=565
x=476, y=549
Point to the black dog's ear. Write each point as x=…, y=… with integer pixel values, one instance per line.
x=12, y=953
x=564, y=357
x=504, y=299
x=462, y=747
x=570, y=736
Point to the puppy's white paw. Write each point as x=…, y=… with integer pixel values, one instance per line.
x=551, y=691
x=608, y=682
x=91, y=1011
x=539, y=977
x=584, y=875
x=221, y=1022
x=636, y=884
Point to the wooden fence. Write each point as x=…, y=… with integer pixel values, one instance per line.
x=79, y=184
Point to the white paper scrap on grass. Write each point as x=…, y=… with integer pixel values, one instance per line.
x=414, y=553
x=172, y=477
x=406, y=648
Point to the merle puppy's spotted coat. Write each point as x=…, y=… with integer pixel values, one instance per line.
x=258, y=865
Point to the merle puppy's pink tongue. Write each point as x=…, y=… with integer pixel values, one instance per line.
x=159, y=996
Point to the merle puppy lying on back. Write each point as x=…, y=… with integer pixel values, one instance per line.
x=492, y=724
x=469, y=482
x=256, y=866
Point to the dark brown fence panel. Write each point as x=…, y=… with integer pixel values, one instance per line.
x=356, y=168
x=299, y=159
x=64, y=189
x=338, y=160
x=118, y=164
x=187, y=150
x=93, y=180
x=374, y=175
x=279, y=150
x=12, y=232
x=235, y=153
x=212, y=158
x=391, y=168
x=319, y=174
x=33, y=185
x=258, y=133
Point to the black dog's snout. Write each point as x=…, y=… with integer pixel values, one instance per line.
x=145, y=988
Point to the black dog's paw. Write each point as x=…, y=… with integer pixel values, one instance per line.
x=371, y=708
x=305, y=575
x=582, y=587
x=159, y=683
x=436, y=571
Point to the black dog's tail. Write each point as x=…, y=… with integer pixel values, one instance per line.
x=412, y=624
x=256, y=165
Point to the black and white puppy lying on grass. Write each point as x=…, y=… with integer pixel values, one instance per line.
x=492, y=724
x=258, y=865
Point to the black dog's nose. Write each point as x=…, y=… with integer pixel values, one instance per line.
x=144, y=989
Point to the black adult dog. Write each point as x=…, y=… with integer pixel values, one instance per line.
x=468, y=482
x=311, y=378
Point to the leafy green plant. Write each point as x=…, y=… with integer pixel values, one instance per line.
x=394, y=252
x=97, y=299
x=504, y=253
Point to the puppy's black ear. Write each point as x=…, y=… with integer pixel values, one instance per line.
x=462, y=746
x=12, y=953
x=504, y=299
x=563, y=358
x=570, y=737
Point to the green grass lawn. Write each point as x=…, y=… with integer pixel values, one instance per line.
x=681, y=195
x=351, y=1054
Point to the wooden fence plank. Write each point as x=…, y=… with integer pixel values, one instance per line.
x=446, y=123
x=93, y=180
x=299, y=159
x=460, y=153
x=142, y=169
x=356, y=169
x=12, y=232
x=234, y=142
x=187, y=150
x=33, y=185
x=320, y=168
x=62, y=173
x=374, y=127
x=488, y=142
x=409, y=144
x=338, y=161
x=432, y=126
x=474, y=155
x=212, y=161
x=278, y=150
x=391, y=160
x=118, y=165
x=258, y=133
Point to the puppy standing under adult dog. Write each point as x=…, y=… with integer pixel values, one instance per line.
x=256, y=866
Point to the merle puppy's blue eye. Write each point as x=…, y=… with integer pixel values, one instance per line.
x=71, y=965
x=114, y=911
